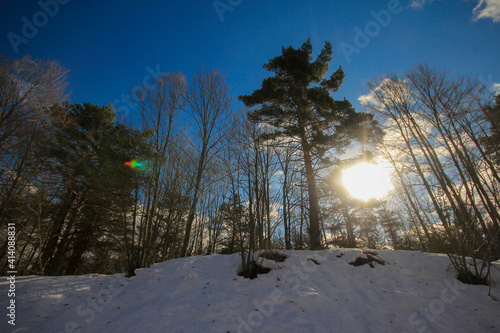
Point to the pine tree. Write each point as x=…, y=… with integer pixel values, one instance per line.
x=88, y=156
x=296, y=101
x=233, y=216
x=391, y=224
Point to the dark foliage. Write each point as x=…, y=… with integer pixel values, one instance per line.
x=314, y=261
x=370, y=258
x=273, y=255
x=252, y=270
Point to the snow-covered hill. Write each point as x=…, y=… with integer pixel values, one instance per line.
x=413, y=292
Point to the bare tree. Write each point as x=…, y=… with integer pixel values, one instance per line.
x=437, y=123
x=159, y=105
x=27, y=88
x=208, y=104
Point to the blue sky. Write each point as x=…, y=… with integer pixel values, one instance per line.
x=110, y=46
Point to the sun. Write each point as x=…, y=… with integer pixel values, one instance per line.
x=366, y=181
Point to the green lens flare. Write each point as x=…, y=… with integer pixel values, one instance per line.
x=135, y=164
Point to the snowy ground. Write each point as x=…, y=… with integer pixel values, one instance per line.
x=414, y=292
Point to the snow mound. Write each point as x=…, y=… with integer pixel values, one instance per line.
x=308, y=292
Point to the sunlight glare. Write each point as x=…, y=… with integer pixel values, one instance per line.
x=366, y=181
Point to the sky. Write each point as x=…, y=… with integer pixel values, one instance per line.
x=112, y=46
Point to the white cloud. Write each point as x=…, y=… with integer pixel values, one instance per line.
x=367, y=99
x=415, y=4
x=496, y=88
x=487, y=9
x=388, y=92
x=371, y=99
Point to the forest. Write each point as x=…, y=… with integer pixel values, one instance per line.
x=182, y=172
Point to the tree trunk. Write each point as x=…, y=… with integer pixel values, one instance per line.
x=194, y=203
x=314, y=232
x=49, y=248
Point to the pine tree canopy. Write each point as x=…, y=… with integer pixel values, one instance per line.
x=297, y=98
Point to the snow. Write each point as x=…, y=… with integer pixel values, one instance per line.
x=413, y=292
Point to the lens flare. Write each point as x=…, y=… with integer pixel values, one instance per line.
x=135, y=164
